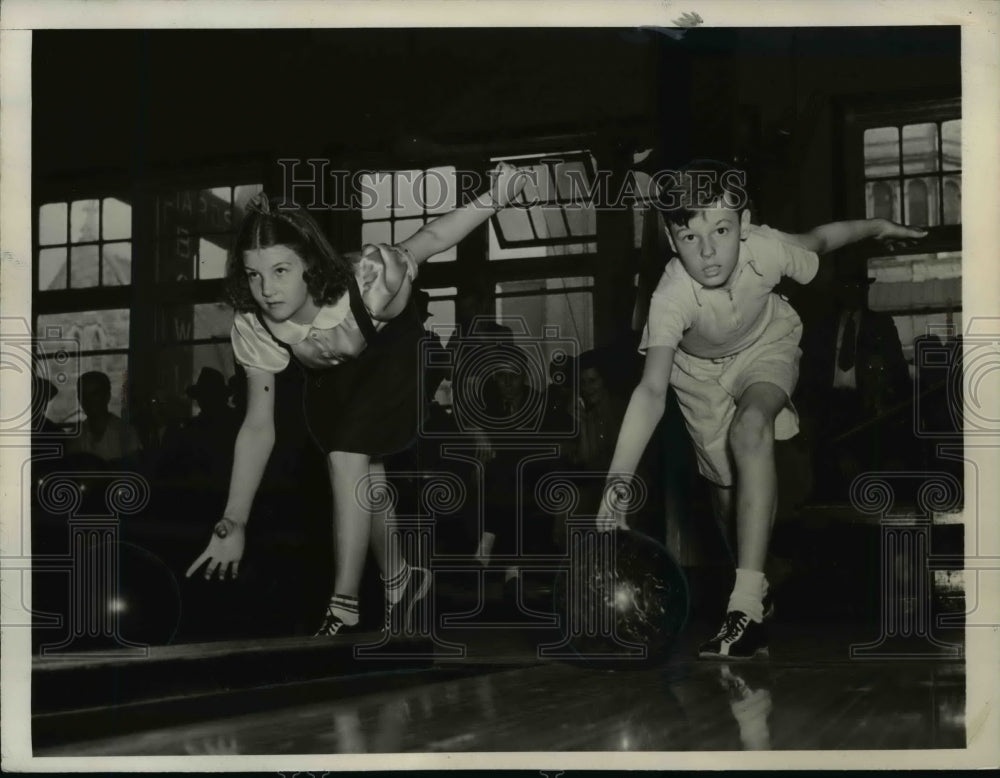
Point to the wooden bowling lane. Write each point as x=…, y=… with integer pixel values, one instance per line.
x=685, y=706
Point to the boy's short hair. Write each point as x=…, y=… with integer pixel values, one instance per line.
x=701, y=184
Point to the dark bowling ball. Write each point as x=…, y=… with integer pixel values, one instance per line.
x=623, y=601
x=141, y=607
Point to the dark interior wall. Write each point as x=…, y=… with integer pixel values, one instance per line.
x=134, y=101
x=796, y=79
x=118, y=100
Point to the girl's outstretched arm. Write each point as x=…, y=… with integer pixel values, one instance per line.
x=506, y=183
x=253, y=448
x=386, y=273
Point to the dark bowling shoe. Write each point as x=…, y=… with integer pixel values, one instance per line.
x=740, y=637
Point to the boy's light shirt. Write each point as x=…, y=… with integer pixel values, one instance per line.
x=713, y=323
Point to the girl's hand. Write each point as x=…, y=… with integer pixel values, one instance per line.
x=506, y=183
x=896, y=235
x=224, y=551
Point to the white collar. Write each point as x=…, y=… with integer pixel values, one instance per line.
x=327, y=317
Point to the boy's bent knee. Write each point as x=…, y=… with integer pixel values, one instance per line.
x=751, y=432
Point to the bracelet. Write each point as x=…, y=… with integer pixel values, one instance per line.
x=224, y=526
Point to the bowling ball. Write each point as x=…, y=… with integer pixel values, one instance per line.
x=142, y=606
x=623, y=602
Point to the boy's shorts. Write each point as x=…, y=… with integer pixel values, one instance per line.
x=707, y=390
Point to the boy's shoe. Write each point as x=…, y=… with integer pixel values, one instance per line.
x=740, y=637
x=768, y=602
x=399, y=615
x=334, y=625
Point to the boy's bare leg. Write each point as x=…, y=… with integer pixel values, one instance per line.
x=722, y=509
x=751, y=437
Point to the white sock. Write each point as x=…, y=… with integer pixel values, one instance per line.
x=395, y=584
x=344, y=607
x=485, y=548
x=748, y=593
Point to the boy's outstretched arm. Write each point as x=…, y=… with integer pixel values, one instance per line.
x=644, y=412
x=835, y=235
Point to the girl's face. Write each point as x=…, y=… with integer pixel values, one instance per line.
x=277, y=282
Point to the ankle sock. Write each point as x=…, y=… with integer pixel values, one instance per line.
x=748, y=592
x=345, y=608
x=395, y=584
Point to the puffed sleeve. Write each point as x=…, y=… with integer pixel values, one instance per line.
x=670, y=313
x=253, y=346
x=382, y=278
x=791, y=259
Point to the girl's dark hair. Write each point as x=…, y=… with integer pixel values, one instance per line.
x=701, y=184
x=266, y=224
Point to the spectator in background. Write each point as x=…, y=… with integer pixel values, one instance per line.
x=102, y=434
x=209, y=437
x=560, y=397
x=855, y=385
x=434, y=373
x=517, y=426
x=212, y=395
x=600, y=413
x=43, y=391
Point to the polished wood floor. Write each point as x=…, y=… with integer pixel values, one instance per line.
x=809, y=695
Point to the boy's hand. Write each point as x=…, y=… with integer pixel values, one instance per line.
x=506, y=183
x=897, y=236
x=614, y=506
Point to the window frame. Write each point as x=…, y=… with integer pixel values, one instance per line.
x=549, y=160
x=392, y=218
x=885, y=111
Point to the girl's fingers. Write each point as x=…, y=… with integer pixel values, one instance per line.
x=196, y=564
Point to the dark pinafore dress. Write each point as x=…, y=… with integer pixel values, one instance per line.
x=369, y=404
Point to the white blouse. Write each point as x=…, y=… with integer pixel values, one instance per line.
x=314, y=344
x=331, y=337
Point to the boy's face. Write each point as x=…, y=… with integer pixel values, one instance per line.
x=709, y=245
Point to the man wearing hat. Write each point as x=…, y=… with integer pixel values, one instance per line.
x=199, y=456
x=211, y=393
x=853, y=372
x=211, y=434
